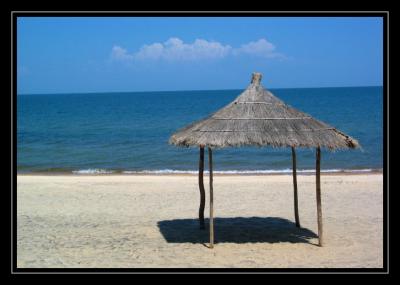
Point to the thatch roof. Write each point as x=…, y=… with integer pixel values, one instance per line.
x=258, y=118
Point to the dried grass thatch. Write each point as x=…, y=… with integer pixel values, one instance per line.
x=258, y=118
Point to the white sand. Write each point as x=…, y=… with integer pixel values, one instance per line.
x=150, y=221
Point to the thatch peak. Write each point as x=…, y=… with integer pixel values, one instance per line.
x=256, y=78
x=258, y=118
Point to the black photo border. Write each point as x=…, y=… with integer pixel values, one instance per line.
x=13, y=247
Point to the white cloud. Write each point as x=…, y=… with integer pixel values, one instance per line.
x=153, y=51
x=120, y=54
x=261, y=48
x=174, y=49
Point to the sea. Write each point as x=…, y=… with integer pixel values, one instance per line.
x=103, y=133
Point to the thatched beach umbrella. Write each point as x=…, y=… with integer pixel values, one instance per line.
x=258, y=118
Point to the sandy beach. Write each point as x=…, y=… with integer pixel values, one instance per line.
x=140, y=221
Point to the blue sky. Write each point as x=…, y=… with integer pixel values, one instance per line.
x=94, y=54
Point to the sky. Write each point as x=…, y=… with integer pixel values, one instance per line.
x=123, y=54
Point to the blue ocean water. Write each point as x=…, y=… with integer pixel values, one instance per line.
x=129, y=132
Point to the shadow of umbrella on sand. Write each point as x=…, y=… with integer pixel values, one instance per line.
x=258, y=118
x=236, y=230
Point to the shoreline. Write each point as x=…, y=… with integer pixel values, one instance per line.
x=195, y=173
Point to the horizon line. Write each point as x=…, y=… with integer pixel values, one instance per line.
x=154, y=91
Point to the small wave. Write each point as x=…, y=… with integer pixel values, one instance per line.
x=162, y=171
x=269, y=171
x=360, y=170
x=92, y=171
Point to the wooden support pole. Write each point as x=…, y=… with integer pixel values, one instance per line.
x=318, y=188
x=201, y=188
x=211, y=199
x=296, y=206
